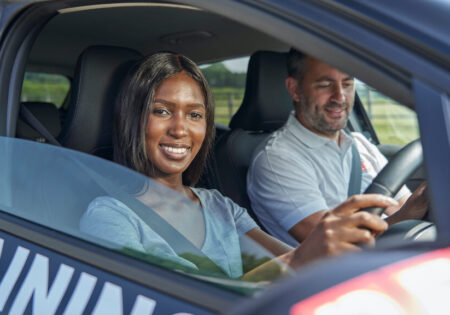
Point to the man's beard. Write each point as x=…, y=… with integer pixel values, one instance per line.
x=318, y=121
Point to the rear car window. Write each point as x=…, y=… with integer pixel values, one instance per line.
x=45, y=87
x=227, y=81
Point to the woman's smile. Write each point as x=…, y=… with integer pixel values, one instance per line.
x=175, y=151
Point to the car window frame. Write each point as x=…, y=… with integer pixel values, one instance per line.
x=290, y=26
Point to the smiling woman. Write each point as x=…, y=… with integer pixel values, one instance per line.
x=176, y=106
x=176, y=126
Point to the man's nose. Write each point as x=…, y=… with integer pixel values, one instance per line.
x=178, y=126
x=339, y=94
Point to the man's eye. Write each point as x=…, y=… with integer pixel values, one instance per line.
x=348, y=84
x=196, y=115
x=323, y=86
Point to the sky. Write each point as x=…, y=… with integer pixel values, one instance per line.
x=237, y=64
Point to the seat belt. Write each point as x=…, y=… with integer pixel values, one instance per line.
x=354, y=185
x=172, y=236
x=34, y=123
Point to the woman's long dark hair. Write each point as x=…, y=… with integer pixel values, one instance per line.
x=134, y=105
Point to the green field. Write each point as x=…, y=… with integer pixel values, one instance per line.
x=223, y=97
x=393, y=123
x=38, y=87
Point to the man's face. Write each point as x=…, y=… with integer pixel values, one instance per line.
x=324, y=98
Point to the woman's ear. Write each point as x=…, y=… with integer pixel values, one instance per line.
x=293, y=88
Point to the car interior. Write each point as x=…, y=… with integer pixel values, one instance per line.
x=96, y=62
x=94, y=46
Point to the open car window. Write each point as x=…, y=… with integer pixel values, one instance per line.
x=79, y=194
x=393, y=123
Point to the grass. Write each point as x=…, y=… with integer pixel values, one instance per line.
x=394, y=123
x=45, y=88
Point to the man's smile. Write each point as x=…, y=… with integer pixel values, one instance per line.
x=336, y=111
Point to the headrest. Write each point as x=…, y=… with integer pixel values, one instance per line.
x=98, y=75
x=48, y=116
x=266, y=104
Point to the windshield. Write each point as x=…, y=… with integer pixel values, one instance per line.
x=117, y=208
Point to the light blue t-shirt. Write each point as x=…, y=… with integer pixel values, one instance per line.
x=110, y=219
x=297, y=173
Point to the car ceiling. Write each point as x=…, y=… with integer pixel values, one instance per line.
x=147, y=28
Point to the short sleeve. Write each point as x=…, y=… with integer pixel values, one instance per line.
x=106, y=219
x=225, y=210
x=242, y=219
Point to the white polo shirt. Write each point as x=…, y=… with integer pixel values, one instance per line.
x=297, y=173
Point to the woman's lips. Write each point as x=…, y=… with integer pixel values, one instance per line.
x=176, y=152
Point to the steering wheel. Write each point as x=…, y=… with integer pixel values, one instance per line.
x=389, y=181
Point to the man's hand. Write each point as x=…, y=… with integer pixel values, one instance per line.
x=414, y=208
x=343, y=229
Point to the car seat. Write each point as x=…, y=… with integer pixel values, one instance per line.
x=88, y=128
x=265, y=108
x=98, y=75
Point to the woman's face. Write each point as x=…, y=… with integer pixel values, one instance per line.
x=176, y=126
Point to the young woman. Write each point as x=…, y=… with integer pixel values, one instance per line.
x=164, y=128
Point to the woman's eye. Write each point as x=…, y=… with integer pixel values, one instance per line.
x=160, y=111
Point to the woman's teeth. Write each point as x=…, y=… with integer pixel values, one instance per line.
x=174, y=150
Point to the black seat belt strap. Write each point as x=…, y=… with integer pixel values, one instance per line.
x=34, y=123
x=354, y=185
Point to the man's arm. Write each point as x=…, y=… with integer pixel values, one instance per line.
x=413, y=208
x=303, y=228
x=393, y=209
x=340, y=230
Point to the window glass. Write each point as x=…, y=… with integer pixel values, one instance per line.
x=393, y=122
x=117, y=208
x=44, y=87
x=227, y=81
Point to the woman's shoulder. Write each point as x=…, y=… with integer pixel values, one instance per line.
x=106, y=201
x=213, y=200
x=210, y=195
x=107, y=206
x=225, y=209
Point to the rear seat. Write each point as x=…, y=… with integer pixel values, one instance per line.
x=48, y=116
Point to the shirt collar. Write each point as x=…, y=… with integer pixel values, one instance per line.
x=311, y=139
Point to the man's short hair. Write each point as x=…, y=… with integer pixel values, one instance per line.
x=296, y=65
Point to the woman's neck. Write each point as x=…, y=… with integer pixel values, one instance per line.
x=174, y=182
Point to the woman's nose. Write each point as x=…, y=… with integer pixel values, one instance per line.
x=178, y=126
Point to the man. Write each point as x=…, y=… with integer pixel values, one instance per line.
x=304, y=167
